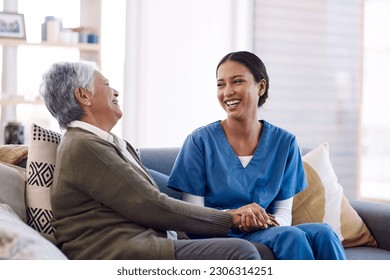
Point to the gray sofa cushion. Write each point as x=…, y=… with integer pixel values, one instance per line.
x=367, y=253
x=377, y=218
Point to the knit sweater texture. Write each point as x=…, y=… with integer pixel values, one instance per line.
x=105, y=207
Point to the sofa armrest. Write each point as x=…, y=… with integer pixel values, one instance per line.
x=377, y=218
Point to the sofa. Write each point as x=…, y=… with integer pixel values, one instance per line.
x=376, y=216
x=23, y=239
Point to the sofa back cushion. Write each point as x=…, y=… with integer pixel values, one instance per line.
x=12, y=187
x=18, y=241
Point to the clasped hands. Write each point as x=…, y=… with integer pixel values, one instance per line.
x=252, y=217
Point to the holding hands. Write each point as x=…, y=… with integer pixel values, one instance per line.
x=252, y=217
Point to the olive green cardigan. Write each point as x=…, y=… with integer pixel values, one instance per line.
x=104, y=207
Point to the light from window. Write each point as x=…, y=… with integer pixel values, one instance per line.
x=375, y=132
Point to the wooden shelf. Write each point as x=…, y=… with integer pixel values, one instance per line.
x=16, y=100
x=19, y=42
x=10, y=98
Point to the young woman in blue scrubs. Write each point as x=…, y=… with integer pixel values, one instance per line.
x=251, y=167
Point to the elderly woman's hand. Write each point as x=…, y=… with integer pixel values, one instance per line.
x=254, y=217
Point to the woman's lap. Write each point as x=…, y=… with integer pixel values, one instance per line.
x=305, y=241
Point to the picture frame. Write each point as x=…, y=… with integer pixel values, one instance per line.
x=12, y=26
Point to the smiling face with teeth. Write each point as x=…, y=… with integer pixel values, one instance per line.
x=106, y=99
x=238, y=92
x=101, y=103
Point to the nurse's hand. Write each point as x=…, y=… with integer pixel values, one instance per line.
x=254, y=218
x=274, y=222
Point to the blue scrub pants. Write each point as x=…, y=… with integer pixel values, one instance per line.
x=311, y=241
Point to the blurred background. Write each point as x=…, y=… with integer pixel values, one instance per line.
x=328, y=62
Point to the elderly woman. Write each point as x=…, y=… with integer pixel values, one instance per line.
x=105, y=204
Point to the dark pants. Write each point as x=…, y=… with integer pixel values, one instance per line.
x=215, y=249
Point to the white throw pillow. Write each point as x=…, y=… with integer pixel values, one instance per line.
x=324, y=201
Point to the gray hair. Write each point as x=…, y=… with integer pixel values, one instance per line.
x=58, y=86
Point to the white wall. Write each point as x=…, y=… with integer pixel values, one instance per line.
x=170, y=71
x=313, y=51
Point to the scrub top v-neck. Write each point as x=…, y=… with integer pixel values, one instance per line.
x=208, y=166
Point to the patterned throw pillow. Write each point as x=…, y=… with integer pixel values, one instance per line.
x=324, y=201
x=41, y=160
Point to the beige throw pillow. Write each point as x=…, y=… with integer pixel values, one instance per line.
x=324, y=201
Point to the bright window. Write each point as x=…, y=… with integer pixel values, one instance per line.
x=375, y=132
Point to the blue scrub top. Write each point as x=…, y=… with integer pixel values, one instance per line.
x=208, y=166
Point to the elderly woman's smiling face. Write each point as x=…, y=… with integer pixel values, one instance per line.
x=105, y=100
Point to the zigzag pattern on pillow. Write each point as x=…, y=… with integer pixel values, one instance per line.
x=39, y=219
x=40, y=174
x=42, y=153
